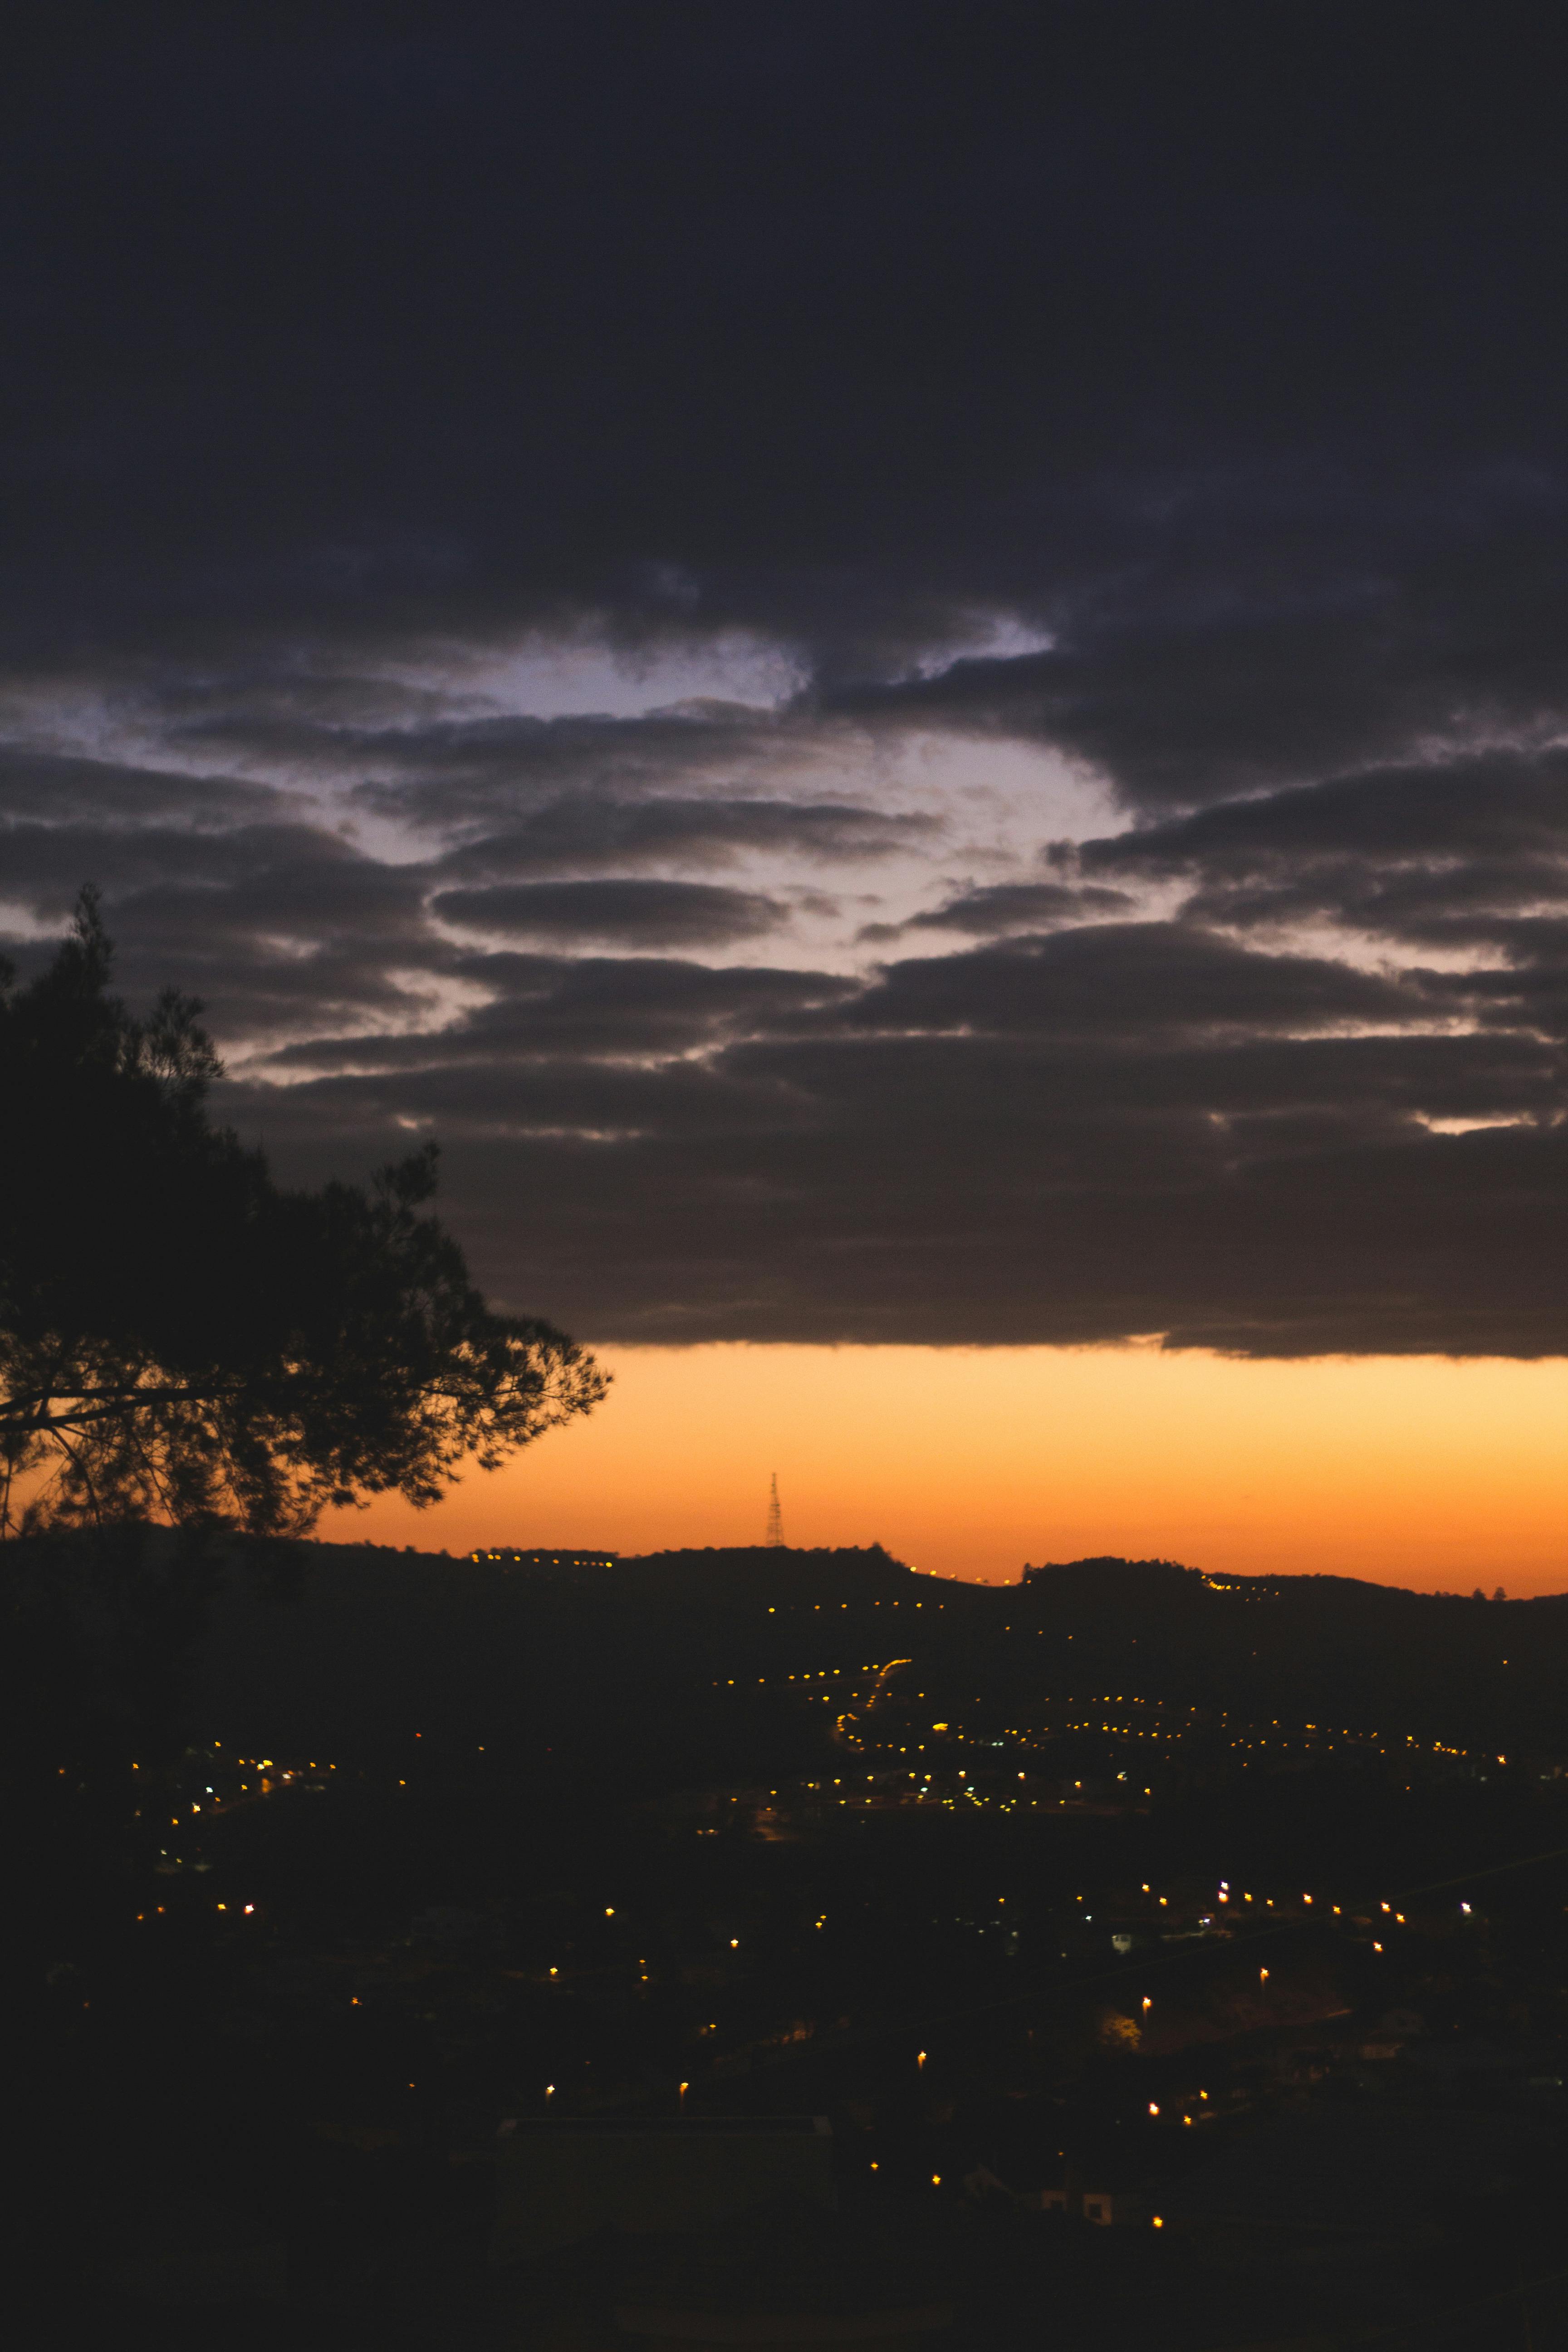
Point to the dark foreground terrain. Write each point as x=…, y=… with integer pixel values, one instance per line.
x=1171, y=1961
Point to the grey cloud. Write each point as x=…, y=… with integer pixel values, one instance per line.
x=535, y=795
x=584, y=830
x=1423, y=905
x=643, y=913
x=300, y=878
x=475, y=771
x=1126, y=1128
x=1463, y=854
x=591, y=1008
x=275, y=706
x=1222, y=360
x=1001, y=907
x=1140, y=978
x=276, y=927
x=1278, y=687
x=1310, y=307
x=1063, y=1134
x=936, y=1191
x=1505, y=804
x=66, y=789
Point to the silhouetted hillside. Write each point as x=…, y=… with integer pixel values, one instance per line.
x=331, y=1859
x=682, y=1659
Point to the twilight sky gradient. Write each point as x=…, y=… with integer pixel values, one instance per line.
x=969, y=1462
x=905, y=668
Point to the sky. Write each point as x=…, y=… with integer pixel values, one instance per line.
x=904, y=669
x=965, y=1462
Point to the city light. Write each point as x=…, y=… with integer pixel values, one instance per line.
x=981, y=1781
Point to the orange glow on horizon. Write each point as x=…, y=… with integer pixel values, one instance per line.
x=968, y=1462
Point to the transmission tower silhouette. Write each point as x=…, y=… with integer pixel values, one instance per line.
x=775, y=1517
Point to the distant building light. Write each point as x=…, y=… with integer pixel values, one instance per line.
x=508, y=1556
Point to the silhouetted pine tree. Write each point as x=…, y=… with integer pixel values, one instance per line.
x=181, y=1339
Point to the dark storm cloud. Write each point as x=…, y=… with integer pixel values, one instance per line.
x=335, y=328
x=643, y=913
x=1174, y=393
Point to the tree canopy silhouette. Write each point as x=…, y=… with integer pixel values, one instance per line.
x=181, y=1339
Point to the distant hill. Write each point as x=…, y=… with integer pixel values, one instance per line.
x=359, y=1635
x=692, y=1662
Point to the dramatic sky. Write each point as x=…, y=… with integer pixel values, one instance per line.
x=904, y=667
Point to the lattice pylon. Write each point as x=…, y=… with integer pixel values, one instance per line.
x=775, y=1517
